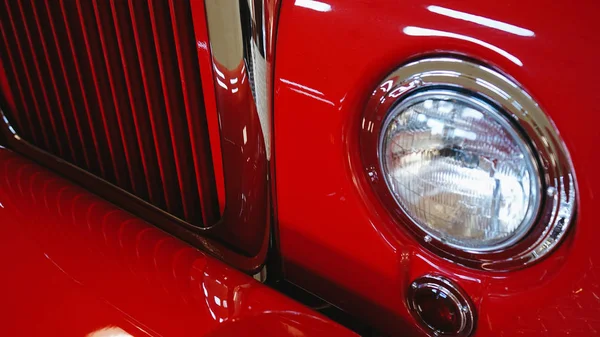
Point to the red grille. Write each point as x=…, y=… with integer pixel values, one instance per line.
x=114, y=88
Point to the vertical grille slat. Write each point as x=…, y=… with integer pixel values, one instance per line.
x=140, y=126
x=172, y=94
x=115, y=79
x=13, y=78
x=53, y=133
x=55, y=86
x=105, y=120
x=79, y=147
x=191, y=89
x=23, y=72
x=144, y=46
x=114, y=88
x=87, y=127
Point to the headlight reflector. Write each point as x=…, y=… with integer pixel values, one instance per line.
x=460, y=170
x=465, y=160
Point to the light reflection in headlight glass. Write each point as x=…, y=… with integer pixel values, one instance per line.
x=460, y=170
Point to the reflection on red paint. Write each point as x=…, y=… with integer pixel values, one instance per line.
x=74, y=264
x=109, y=331
x=326, y=215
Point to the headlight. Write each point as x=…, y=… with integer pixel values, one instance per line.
x=460, y=170
x=467, y=161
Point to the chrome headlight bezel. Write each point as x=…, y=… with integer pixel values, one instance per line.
x=499, y=118
x=555, y=213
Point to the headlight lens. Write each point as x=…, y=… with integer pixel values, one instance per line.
x=460, y=170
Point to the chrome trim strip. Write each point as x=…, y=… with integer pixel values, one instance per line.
x=241, y=36
x=558, y=207
x=245, y=31
x=237, y=35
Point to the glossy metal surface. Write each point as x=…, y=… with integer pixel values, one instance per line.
x=236, y=52
x=448, y=291
x=237, y=37
x=336, y=237
x=231, y=27
x=552, y=218
x=153, y=92
x=76, y=265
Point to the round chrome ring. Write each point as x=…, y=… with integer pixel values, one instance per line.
x=532, y=212
x=453, y=293
x=556, y=211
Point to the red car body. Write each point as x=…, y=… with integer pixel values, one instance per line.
x=76, y=265
x=333, y=236
x=327, y=217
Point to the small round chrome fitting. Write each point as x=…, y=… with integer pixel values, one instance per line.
x=440, y=307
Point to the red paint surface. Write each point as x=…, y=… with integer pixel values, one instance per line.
x=137, y=120
x=340, y=243
x=208, y=89
x=245, y=223
x=131, y=108
x=74, y=264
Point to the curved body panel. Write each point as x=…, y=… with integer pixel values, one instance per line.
x=331, y=55
x=78, y=266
